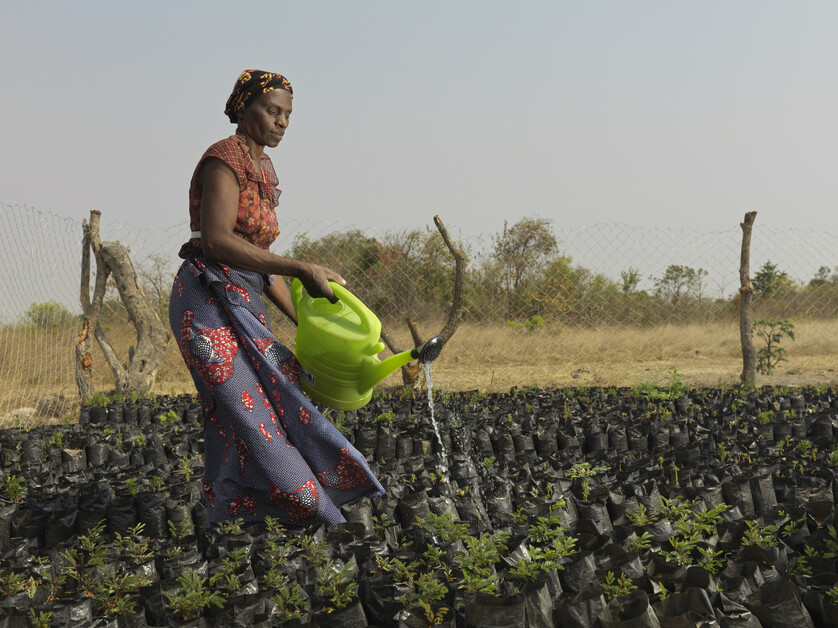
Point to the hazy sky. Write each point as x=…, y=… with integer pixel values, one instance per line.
x=672, y=113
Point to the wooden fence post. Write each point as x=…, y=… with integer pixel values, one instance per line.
x=84, y=361
x=746, y=291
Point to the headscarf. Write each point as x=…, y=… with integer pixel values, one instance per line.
x=250, y=84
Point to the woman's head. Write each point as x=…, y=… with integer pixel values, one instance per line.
x=250, y=85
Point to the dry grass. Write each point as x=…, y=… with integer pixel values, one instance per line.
x=495, y=358
x=36, y=368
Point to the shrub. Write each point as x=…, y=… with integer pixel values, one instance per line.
x=48, y=316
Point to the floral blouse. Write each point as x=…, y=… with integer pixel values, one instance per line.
x=258, y=196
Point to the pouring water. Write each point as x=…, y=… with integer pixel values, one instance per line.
x=427, y=366
x=429, y=352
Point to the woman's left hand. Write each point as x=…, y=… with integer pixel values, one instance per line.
x=316, y=281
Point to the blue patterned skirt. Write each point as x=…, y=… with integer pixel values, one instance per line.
x=268, y=451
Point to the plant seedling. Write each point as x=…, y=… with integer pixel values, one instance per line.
x=338, y=585
x=519, y=516
x=15, y=486
x=180, y=531
x=585, y=470
x=429, y=592
x=11, y=582
x=194, y=596
x=232, y=527
x=529, y=569
x=341, y=425
x=793, y=525
x=168, y=419
x=317, y=552
x=617, y=587
x=402, y=571
x=831, y=543
x=765, y=536
x=132, y=485
x=674, y=509
x=586, y=488
x=187, y=469
x=81, y=562
x=432, y=558
x=273, y=525
x=54, y=580
x=546, y=529
x=445, y=527
x=40, y=620
x=641, y=517
x=481, y=555
x=713, y=561
x=385, y=417
x=289, y=600
x=115, y=592
x=381, y=523
x=772, y=333
x=765, y=417
x=682, y=549
x=278, y=551
x=155, y=483
x=133, y=546
x=799, y=566
x=641, y=543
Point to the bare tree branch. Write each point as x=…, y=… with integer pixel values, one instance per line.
x=411, y=371
x=112, y=260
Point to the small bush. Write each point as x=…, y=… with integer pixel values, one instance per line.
x=536, y=322
x=48, y=316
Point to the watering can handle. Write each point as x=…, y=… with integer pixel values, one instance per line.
x=296, y=294
x=365, y=315
x=353, y=302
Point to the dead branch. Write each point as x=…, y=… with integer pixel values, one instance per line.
x=411, y=372
x=112, y=259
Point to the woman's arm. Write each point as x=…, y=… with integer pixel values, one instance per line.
x=219, y=210
x=280, y=296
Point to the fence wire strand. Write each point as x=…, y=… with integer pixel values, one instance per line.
x=611, y=301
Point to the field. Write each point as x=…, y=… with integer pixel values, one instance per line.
x=36, y=367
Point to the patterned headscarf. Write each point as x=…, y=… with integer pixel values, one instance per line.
x=250, y=84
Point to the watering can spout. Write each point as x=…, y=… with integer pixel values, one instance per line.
x=376, y=370
x=429, y=351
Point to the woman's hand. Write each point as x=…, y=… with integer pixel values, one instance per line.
x=316, y=280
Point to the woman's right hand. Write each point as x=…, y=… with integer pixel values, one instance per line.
x=316, y=280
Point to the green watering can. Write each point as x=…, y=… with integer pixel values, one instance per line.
x=338, y=346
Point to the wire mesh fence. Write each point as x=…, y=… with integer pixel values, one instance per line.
x=607, y=304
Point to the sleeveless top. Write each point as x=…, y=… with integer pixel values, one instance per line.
x=258, y=196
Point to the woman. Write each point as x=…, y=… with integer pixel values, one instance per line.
x=267, y=449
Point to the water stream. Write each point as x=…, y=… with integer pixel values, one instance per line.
x=429, y=379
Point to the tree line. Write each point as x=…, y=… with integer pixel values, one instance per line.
x=523, y=278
